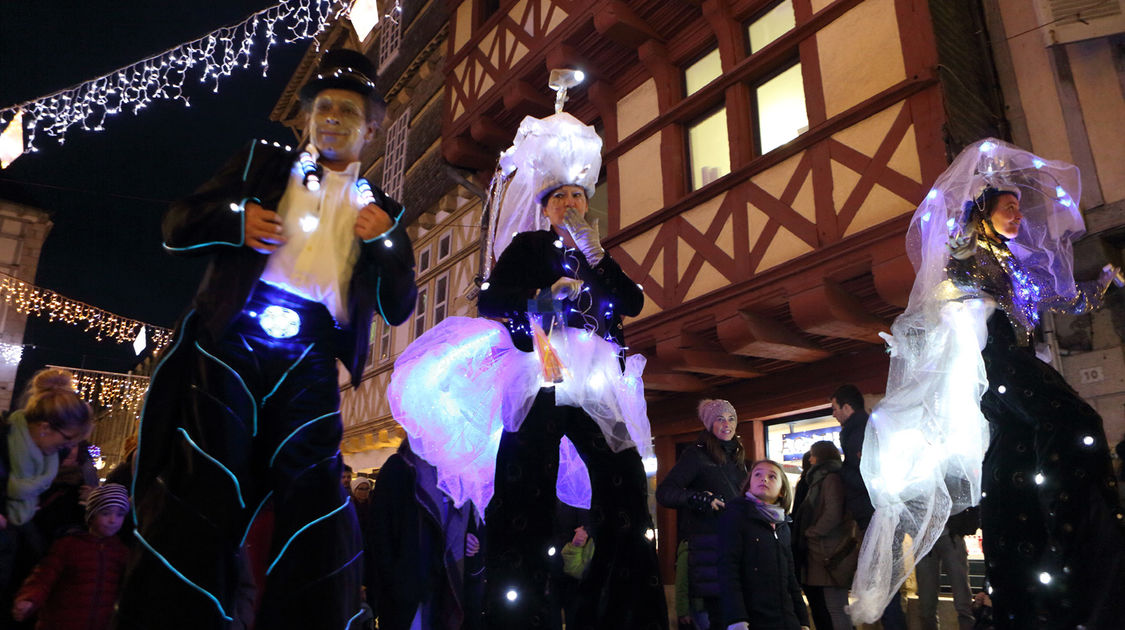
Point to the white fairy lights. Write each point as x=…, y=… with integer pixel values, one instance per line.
x=166, y=76
x=28, y=299
x=108, y=389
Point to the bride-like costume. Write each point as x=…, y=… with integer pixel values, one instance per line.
x=991, y=244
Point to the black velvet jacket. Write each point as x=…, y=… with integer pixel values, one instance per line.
x=534, y=261
x=211, y=221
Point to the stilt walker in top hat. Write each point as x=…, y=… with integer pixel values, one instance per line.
x=244, y=408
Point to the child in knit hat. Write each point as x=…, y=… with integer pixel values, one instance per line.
x=76, y=584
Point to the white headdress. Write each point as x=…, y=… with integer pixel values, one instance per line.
x=558, y=150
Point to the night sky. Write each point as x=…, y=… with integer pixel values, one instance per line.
x=106, y=191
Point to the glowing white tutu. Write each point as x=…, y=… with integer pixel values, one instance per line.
x=923, y=447
x=462, y=383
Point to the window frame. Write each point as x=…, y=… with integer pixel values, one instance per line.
x=394, y=160
x=420, y=309
x=755, y=113
x=687, y=126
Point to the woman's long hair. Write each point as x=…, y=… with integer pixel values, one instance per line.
x=714, y=448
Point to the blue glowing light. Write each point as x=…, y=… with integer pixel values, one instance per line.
x=280, y=322
x=1037, y=163
x=558, y=244
x=925, y=217
x=366, y=196
x=932, y=194
x=310, y=170
x=388, y=243
x=1060, y=192
x=986, y=147
x=1026, y=293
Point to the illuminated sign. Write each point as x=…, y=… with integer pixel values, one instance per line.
x=795, y=445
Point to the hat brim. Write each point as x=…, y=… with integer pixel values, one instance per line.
x=316, y=86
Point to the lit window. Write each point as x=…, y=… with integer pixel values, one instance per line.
x=709, y=149
x=420, y=313
x=441, y=298
x=780, y=109
x=770, y=25
x=702, y=72
x=394, y=166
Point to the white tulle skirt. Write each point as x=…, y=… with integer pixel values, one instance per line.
x=924, y=446
x=462, y=383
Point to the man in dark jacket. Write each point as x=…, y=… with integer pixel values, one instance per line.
x=244, y=408
x=423, y=563
x=850, y=411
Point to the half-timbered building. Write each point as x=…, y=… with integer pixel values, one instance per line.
x=762, y=159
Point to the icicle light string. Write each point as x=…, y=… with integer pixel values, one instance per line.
x=29, y=299
x=108, y=389
x=164, y=76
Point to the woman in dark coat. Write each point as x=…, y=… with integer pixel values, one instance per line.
x=826, y=540
x=707, y=475
x=757, y=576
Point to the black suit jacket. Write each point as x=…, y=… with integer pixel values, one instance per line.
x=211, y=221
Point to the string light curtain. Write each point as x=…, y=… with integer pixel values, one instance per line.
x=109, y=389
x=166, y=76
x=29, y=299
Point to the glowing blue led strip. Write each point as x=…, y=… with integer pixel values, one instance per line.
x=294, y=432
x=183, y=577
x=246, y=389
x=253, y=517
x=354, y=617
x=249, y=159
x=303, y=354
x=237, y=487
x=281, y=553
x=241, y=227
x=144, y=406
x=379, y=299
x=392, y=228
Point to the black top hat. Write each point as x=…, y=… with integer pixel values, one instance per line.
x=345, y=70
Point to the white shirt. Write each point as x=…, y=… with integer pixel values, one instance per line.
x=321, y=247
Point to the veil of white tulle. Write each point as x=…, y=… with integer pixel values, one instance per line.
x=462, y=383
x=925, y=441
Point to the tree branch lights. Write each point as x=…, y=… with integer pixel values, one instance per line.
x=29, y=299
x=165, y=76
x=108, y=389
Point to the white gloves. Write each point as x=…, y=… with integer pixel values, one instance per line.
x=566, y=288
x=585, y=236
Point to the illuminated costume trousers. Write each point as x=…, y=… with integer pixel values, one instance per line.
x=228, y=426
x=621, y=588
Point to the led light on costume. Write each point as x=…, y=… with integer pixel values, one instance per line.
x=280, y=322
x=365, y=195
x=311, y=171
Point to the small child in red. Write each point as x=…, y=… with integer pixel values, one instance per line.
x=76, y=585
